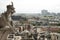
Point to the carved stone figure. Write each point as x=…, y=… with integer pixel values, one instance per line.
x=6, y=15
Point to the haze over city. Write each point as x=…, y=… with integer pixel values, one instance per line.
x=31, y=6
x=29, y=19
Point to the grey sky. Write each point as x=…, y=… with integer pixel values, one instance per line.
x=31, y=6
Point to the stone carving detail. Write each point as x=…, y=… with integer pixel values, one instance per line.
x=6, y=16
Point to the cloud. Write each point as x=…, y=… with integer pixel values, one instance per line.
x=32, y=6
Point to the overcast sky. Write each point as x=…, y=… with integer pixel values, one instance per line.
x=31, y=6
